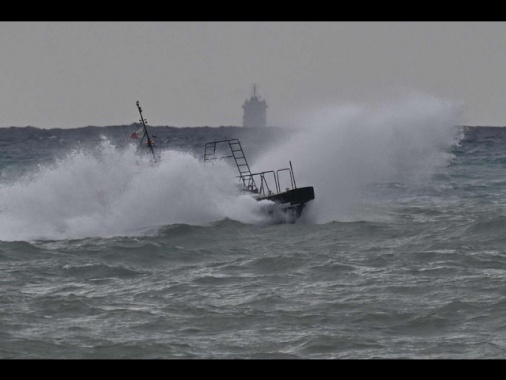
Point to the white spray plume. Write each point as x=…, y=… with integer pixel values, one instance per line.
x=341, y=150
x=110, y=192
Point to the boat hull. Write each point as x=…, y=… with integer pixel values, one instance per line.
x=294, y=197
x=292, y=200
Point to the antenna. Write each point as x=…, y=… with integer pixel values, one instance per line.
x=144, y=121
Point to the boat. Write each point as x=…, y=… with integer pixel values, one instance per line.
x=277, y=186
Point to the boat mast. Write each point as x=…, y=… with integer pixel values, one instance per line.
x=144, y=121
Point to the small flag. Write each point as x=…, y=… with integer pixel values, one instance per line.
x=137, y=134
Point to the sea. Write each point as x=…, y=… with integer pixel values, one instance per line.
x=105, y=254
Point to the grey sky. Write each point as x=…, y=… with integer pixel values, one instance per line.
x=74, y=74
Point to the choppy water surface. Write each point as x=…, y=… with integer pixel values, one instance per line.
x=401, y=254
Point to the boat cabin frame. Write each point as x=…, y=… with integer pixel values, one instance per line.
x=263, y=184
